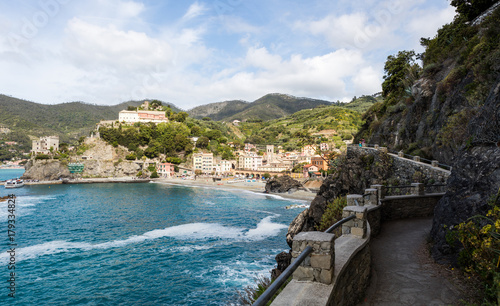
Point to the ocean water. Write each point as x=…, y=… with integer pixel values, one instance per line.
x=139, y=244
x=7, y=174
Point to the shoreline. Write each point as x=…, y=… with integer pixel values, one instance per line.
x=257, y=187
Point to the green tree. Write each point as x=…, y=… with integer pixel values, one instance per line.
x=202, y=142
x=180, y=116
x=471, y=9
x=154, y=174
x=396, y=72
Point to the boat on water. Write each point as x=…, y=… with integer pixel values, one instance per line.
x=14, y=183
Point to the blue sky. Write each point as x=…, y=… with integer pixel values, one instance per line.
x=197, y=52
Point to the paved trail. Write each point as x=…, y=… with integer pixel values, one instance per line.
x=402, y=272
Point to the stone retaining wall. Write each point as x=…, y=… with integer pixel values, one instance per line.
x=407, y=170
x=351, y=285
x=403, y=207
x=351, y=255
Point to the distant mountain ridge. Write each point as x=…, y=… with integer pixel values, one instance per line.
x=69, y=120
x=268, y=107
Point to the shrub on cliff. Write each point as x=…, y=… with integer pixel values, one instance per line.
x=480, y=255
x=42, y=156
x=154, y=174
x=333, y=213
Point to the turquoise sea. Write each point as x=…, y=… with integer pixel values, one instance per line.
x=139, y=244
x=7, y=174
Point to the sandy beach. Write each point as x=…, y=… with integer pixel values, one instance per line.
x=257, y=186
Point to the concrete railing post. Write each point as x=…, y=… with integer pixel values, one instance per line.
x=357, y=226
x=416, y=158
x=376, y=147
x=371, y=197
x=401, y=154
x=353, y=198
x=380, y=192
x=418, y=188
x=435, y=163
x=319, y=266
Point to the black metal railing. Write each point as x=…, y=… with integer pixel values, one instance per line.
x=436, y=188
x=398, y=190
x=407, y=156
x=278, y=283
x=339, y=223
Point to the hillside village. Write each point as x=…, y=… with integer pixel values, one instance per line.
x=246, y=159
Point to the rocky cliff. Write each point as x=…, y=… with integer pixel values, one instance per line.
x=357, y=170
x=450, y=112
x=46, y=170
x=100, y=160
x=474, y=180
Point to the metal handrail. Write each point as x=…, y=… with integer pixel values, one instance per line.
x=408, y=156
x=404, y=186
x=339, y=223
x=276, y=285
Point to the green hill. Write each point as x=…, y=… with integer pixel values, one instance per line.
x=304, y=127
x=363, y=103
x=219, y=110
x=69, y=121
x=268, y=107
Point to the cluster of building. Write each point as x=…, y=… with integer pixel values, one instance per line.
x=270, y=162
x=142, y=114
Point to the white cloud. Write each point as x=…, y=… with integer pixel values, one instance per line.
x=367, y=81
x=107, y=51
x=196, y=9
x=99, y=47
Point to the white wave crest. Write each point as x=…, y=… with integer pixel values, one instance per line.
x=190, y=231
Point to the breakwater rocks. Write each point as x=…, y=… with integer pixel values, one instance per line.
x=282, y=184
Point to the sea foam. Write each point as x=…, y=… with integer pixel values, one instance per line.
x=191, y=231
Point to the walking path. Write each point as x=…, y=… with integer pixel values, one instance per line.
x=403, y=272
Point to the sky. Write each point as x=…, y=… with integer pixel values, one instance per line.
x=191, y=53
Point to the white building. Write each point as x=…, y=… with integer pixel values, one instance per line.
x=224, y=167
x=324, y=146
x=309, y=150
x=203, y=162
x=247, y=162
x=44, y=144
x=142, y=116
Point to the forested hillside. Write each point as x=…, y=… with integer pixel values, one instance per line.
x=268, y=107
x=69, y=121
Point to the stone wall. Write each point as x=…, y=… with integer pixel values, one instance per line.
x=403, y=207
x=351, y=285
x=408, y=171
x=351, y=256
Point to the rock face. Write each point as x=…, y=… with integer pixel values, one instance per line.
x=296, y=226
x=356, y=171
x=282, y=184
x=104, y=168
x=46, y=170
x=474, y=179
x=283, y=260
x=101, y=160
